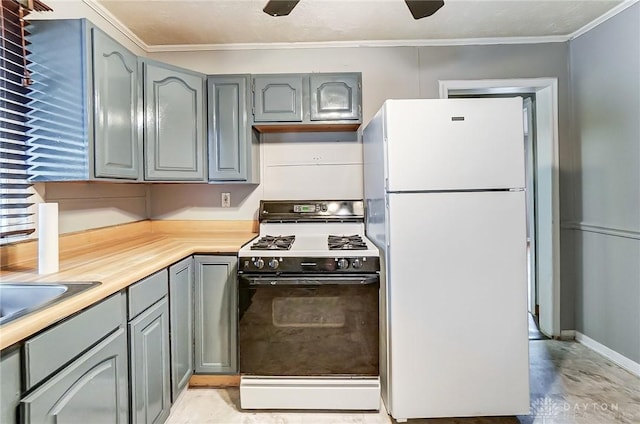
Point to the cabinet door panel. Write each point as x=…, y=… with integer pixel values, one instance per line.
x=181, y=324
x=149, y=357
x=174, y=131
x=10, y=367
x=335, y=97
x=92, y=389
x=215, y=314
x=115, y=84
x=229, y=132
x=278, y=98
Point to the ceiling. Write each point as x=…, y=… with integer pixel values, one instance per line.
x=232, y=22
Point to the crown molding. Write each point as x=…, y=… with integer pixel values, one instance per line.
x=116, y=23
x=357, y=44
x=600, y=19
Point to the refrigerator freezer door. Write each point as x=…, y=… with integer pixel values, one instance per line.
x=457, y=293
x=454, y=144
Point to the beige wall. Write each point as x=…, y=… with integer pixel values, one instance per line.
x=386, y=73
x=76, y=9
x=91, y=205
x=87, y=205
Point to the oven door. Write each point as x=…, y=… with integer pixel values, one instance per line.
x=308, y=325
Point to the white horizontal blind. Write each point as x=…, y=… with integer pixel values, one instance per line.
x=15, y=190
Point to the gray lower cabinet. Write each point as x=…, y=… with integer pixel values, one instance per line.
x=149, y=357
x=92, y=389
x=174, y=123
x=10, y=369
x=233, y=151
x=216, y=314
x=76, y=371
x=84, y=114
x=149, y=363
x=278, y=97
x=181, y=324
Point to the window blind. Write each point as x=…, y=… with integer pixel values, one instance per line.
x=16, y=216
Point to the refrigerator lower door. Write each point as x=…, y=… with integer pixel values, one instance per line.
x=457, y=298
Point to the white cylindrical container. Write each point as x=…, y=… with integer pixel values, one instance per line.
x=48, y=259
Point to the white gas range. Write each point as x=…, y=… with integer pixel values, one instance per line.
x=308, y=309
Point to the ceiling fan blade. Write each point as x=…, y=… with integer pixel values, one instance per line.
x=423, y=8
x=279, y=7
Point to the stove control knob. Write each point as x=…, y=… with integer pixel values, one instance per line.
x=356, y=263
x=273, y=263
x=343, y=263
x=258, y=263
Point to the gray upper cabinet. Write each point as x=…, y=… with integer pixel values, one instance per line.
x=115, y=79
x=84, y=117
x=335, y=97
x=216, y=314
x=232, y=151
x=278, y=98
x=307, y=102
x=174, y=124
x=181, y=324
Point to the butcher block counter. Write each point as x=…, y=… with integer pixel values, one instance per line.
x=116, y=257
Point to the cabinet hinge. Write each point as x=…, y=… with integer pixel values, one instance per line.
x=360, y=111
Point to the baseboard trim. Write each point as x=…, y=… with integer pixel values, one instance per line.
x=568, y=335
x=626, y=363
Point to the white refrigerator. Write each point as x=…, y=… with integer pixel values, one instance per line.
x=444, y=189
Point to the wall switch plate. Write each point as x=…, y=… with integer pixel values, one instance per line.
x=226, y=200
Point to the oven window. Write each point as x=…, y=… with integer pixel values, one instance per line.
x=312, y=330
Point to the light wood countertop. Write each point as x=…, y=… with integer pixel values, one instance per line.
x=117, y=257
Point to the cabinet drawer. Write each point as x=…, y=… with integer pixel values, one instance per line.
x=146, y=292
x=50, y=350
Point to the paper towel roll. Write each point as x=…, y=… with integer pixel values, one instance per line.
x=48, y=238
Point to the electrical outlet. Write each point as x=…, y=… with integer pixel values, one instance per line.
x=226, y=200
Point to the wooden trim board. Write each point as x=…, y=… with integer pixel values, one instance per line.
x=202, y=380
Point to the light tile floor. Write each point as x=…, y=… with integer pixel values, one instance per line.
x=570, y=384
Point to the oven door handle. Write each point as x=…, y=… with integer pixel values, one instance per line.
x=307, y=280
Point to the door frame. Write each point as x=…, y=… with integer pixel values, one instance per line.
x=546, y=107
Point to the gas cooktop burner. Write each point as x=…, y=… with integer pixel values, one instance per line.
x=353, y=242
x=273, y=243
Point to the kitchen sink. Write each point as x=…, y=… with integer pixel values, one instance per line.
x=20, y=299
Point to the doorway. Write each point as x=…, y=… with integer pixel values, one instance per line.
x=541, y=143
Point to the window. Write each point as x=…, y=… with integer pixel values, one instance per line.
x=16, y=218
